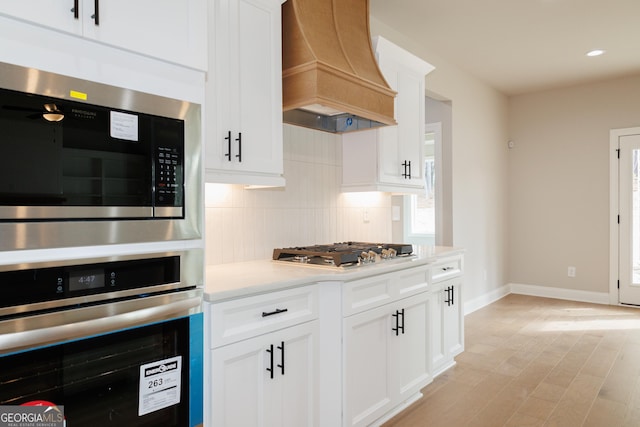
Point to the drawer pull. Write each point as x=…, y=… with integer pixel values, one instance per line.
x=276, y=311
x=447, y=268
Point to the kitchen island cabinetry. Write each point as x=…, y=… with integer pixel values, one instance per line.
x=447, y=321
x=390, y=158
x=366, y=338
x=171, y=31
x=264, y=362
x=243, y=120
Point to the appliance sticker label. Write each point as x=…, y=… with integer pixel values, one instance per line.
x=159, y=385
x=124, y=126
x=78, y=95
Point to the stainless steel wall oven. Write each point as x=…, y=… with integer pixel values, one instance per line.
x=86, y=163
x=116, y=341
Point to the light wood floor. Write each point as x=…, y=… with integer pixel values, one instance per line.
x=534, y=361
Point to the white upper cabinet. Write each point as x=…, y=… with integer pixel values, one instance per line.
x=243, y=143
x=60, y=15
x=174, y=31
x=390, y=158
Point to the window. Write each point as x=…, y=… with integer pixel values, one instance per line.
x=421, y=209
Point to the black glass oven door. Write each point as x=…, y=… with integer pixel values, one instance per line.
x=109, y=380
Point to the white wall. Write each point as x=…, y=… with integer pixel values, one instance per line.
x=559, y=182
x=476, y=165
x=243, y=225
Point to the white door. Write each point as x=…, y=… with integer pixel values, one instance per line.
x=247, y=121
x=453, y=319
x=174, y=31
x=270, y=380
x=293, y=393
x=60, y=15
x=366, y=343
x=239, y=379
x=438, y=348
x=629, y=219
x=410, y=350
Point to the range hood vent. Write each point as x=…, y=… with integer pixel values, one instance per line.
x=330, y=77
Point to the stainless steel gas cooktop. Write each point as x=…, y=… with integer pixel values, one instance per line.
x=343, y=254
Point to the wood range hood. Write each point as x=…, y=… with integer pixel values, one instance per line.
x=330, y=77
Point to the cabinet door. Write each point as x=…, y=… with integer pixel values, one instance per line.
x=438, y=348
x=174, y=31
x=400, y=147
x=398, y=164
x=366, y=378
x=239, y=380
x=58, y=15
x=410, y=368
x=447, y=324
x=250, y=386
x=245, y=95
x=294, y=394
x=453, y=319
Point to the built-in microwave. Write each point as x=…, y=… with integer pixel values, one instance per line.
x=73, y=160
x=89, y=161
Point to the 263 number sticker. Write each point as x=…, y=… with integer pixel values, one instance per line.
x=159, y=384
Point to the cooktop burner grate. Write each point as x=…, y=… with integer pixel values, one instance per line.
x=342, y=254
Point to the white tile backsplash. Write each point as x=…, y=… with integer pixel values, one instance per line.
x=243, y=225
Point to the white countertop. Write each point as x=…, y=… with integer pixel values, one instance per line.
x=233, y=280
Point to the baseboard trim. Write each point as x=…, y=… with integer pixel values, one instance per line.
x=486, y=299
x=559, y=293
x=395, y=411
x=535, y=291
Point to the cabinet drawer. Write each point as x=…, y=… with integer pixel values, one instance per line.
x=446, y=269
x=364, y=294
x=244, y=318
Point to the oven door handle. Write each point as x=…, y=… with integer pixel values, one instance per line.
x=100, y=324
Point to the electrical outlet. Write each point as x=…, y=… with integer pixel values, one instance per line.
x=365, y=215
x=571, y=271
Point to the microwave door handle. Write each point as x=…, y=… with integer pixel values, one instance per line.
x=14, y=341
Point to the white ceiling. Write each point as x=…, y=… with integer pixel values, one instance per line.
x=520, y=46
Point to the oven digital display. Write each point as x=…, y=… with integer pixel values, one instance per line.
x=86, y=279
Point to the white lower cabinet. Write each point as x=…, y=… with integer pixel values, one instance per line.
x=267, y=381
x=386, y=358
x=263, y=363
x=386, y=344
x=337, y=353
x=447, y=324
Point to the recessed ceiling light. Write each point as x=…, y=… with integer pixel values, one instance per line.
x=595, y=52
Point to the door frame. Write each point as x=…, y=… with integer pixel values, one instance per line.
x=614, y=209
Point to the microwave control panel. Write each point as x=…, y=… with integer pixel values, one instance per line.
x=169, y=176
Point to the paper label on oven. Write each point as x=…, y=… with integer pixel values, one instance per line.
x=159, y=385
x=124, y=126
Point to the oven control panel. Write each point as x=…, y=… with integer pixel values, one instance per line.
x=43, y=285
